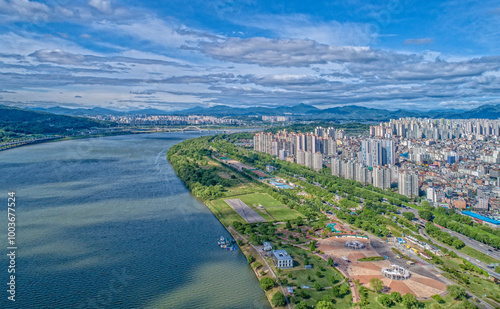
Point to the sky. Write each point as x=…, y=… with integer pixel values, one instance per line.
x=177, y=54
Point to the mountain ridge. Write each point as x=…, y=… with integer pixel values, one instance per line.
x=300, y=112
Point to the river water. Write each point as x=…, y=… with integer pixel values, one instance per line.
x=106, y=223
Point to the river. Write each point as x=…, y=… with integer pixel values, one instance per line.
x=106, y=223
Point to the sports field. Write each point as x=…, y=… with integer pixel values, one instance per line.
x=244, y=211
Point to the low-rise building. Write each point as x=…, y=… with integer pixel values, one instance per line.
x=282, y=259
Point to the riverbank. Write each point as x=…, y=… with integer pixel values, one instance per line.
x=215, y=179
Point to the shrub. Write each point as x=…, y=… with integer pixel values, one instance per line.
x=278, y=299
x=267, y=283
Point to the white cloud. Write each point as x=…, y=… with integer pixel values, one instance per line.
x=23, y=9
x=303, y=27
x=285, y=52
x=101, y=5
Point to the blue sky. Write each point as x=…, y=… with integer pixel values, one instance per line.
x=179, y=54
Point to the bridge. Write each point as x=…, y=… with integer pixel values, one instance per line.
x=199, y=129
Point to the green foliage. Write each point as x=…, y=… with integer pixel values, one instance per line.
x=408, y=215
x=267, y=283
x=376, y=284
x=302, y=305
x=425, y=214
x=410, y=301
x=330, y=262
x=323, y=304
x=16, y=120
x=317, y=286
x=444, y=237
x=396, y=296
x=438, y=298
x=250, y=259
x=456, y=291
x=278, y=299
x=385, y=300
x=371, y=258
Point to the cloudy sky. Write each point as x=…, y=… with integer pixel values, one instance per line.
x=178, y=54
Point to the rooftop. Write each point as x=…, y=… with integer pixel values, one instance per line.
x=282, y=255
x=480, y=217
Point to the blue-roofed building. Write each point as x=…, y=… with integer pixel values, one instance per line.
x=282, y=259
x=482, y=219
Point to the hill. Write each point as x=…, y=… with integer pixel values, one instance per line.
x=15, y=121
x=299, y=112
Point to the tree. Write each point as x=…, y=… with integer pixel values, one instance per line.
x=312, y=246
x=302, y=305
x=335, y=291
x=438, y=298
x=410, y=301
x=267, y=283
x=425, y=214
x=278, y=299
x=317, y=286
x=344, y=289
x=409, y=215
x=323, y=304
x=288, y=225
x=250, y=259
x=396, y=296
x=385, y=300
x=457, y=243
x=456, y=291
x=376, y=284
x=330, y=262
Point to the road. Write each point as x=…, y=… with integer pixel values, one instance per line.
x=474, y=261
x=469, y=242
x=264, y=258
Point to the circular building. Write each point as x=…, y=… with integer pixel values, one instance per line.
x=396, y=272
x=354, y=244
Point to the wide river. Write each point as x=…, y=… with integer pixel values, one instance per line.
x=106, y=223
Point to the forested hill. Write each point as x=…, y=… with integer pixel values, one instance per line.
x=18, y=120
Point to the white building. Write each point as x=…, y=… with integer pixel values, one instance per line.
x=282, y=259
x=408, y=184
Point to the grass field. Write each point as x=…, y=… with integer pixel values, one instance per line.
x=430, y=304
x=276, y=210
x=299, y=277
x=224, y=212
x=483, y=257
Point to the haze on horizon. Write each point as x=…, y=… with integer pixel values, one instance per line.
x=176, y=55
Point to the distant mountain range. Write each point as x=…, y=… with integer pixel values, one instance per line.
x=299, y=112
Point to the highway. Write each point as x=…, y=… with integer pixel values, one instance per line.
x=479, y=246
x=474, y=261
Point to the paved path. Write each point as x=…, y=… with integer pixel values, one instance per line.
x=270, y=269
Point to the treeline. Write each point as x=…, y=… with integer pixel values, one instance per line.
x=31, y=122
x=444, y=237
x=459, y=223
x=203, y=181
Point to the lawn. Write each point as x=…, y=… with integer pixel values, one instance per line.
x=483, y=287
x=299, y=277
x=431, y=303
x=299, y=273
x=224, y=212
x=483, y=257
x=275, y=209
